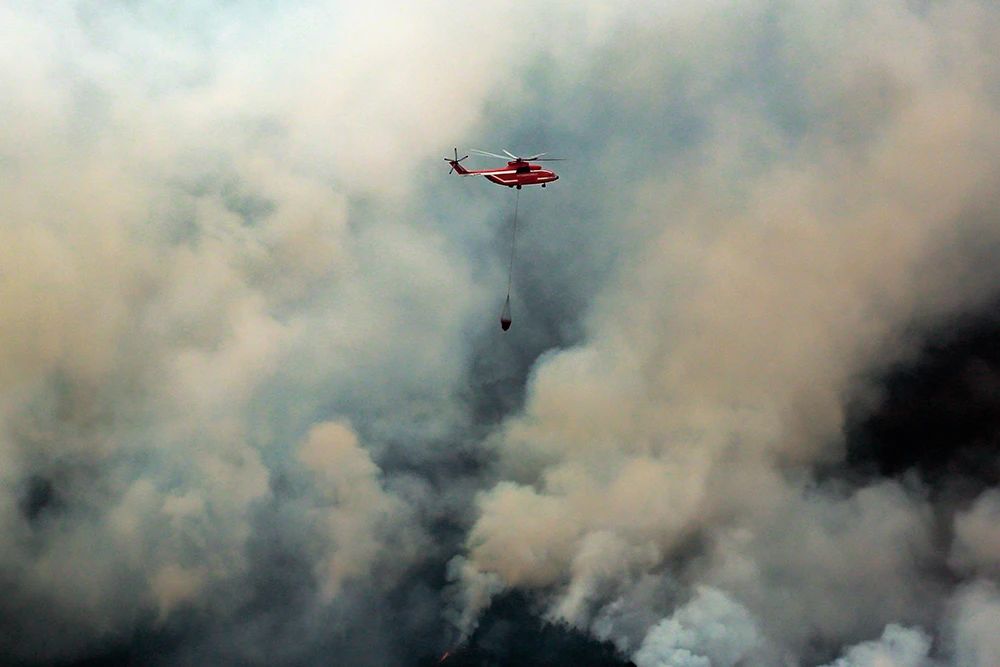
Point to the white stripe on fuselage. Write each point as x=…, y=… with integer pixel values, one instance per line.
x=514, y=181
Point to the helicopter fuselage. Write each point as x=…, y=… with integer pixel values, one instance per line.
x=516, y=174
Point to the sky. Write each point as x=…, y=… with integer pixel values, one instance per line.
x=256, y=406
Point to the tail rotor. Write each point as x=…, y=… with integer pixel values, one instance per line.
x=454, y=162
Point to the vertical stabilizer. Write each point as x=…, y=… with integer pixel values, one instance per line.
x=456, y=163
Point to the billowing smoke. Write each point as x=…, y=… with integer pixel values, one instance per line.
x=255, y=406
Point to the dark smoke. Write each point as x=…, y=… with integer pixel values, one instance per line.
x=938, y=415
x=511, y=633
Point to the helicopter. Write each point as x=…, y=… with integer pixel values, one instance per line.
x=518, y=172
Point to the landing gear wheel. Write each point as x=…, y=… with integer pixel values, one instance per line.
x=518, y=187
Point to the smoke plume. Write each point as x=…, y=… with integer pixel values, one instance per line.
x=255, y=406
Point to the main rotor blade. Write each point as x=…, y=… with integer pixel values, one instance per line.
x=486, y=153
x=534, y=157
x=512, y=156
x=548, y=159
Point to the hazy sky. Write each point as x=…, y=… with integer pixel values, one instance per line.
x=256, y=406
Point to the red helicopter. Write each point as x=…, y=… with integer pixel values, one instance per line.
x=519, y=170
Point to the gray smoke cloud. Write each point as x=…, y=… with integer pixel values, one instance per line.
x=900, y=647
x=254, y=403
x=820, y=217
x=709, y=630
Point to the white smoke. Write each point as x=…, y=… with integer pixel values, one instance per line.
x=974, y=615
x=898, y=647
x=710, y=630
x=968, y=636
